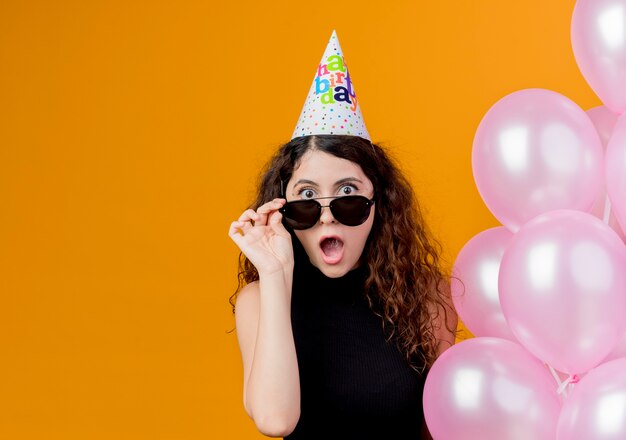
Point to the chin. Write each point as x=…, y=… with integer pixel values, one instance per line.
x=334, y=270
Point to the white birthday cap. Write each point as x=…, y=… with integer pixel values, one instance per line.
x=331, y=106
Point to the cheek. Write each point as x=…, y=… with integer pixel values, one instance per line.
x=368, y=225
x=365, y=235
x=360, y=235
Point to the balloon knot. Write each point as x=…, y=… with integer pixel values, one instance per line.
x=571, y=379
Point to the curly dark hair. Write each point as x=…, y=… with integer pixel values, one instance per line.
x=406, y=285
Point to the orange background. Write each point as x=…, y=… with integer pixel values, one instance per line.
x=131, y=134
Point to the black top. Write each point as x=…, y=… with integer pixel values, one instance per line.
x=354, y=384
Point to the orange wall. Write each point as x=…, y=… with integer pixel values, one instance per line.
x=130, y=136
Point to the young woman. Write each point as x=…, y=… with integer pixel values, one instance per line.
x=342, y=304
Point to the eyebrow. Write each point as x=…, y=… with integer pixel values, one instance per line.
x=339, y=182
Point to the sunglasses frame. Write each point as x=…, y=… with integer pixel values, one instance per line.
x=369, y=204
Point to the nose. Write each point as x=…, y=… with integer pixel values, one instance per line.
x=326, y=216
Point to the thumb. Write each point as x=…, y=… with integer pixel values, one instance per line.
x=275, y=222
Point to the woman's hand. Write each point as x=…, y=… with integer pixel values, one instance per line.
x=263, y=239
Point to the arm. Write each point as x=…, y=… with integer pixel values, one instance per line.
x=271, y=389
x=263, y=319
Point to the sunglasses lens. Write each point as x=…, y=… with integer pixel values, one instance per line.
x=351, y=210
x=348, y=210
x=301, y=214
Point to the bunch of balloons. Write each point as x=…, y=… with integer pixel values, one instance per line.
x=545, y=293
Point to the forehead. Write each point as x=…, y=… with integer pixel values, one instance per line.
x=324, y=168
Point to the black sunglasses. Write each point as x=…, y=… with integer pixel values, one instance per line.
x=349, y=210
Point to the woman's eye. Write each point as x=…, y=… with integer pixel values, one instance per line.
x=347, y=189
x=307, y=193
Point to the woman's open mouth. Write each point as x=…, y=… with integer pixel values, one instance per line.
x=332, y=249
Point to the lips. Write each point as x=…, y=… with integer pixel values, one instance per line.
x=331, y=248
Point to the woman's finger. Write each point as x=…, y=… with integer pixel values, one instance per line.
x=265, y=210
x=235, y=232
x=276, y=224
x=248, y=215
x=246, y=227
x=271, y=206
x=260, y=216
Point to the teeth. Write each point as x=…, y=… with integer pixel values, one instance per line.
x=331, y=242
